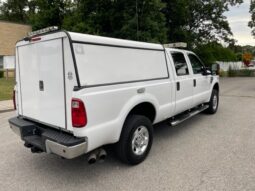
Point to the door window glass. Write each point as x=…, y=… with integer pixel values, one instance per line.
x=196, y=64
x=180, y=64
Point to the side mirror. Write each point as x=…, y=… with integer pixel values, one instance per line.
x=215, y=69
x=206, y=71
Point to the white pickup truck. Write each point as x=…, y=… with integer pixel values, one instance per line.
x=76, y=93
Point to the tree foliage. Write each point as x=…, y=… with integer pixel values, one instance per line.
x=212, y=52
x=252, y=22
x=198, y=20
x=200, y=23
x=49, y=13
x=146, y=20
x=123, y=19
x=14, y=10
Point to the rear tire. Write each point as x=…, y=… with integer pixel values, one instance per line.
x=135, y=140
x=213, y=103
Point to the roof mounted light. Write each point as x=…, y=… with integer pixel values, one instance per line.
x=42, y=31
x=176, y=45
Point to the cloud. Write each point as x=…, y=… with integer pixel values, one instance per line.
x=238, y=18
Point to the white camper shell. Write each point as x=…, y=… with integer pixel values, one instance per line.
x=86, y=87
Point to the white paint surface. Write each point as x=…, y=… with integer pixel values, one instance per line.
x=105, y=64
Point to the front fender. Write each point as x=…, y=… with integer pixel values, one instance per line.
x=214, y=82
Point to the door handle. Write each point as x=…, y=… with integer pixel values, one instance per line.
x=41, y=86
x=178, y=86
x=194, y=82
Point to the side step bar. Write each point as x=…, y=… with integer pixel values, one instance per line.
x=182, y=117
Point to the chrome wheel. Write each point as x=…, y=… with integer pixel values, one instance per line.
x=215, y=102
x=140, y=140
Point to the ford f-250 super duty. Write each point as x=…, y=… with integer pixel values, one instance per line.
x=76, y=93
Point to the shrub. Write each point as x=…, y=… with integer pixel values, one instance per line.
x=232, y=72
x=223, y=74
x=246, y=73
x=240, y=73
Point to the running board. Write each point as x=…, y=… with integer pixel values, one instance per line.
x=180, y=118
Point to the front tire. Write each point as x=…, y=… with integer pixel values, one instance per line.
x=135, y=140
x=213, y=103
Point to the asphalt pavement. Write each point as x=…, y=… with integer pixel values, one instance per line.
x=207, y=152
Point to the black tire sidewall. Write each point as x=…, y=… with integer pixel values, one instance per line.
x=214, y=93
x=130, y=126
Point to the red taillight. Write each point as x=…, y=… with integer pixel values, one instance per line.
x=79, y=116
x=14, y=99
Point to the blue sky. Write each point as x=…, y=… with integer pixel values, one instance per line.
x=238, y=18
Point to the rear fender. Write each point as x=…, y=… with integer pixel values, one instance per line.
x=134, y=101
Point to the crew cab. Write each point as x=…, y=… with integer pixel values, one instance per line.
x=76, y=93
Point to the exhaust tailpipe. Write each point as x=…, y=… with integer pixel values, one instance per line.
x=99, y=154
x=92, y=158
x=102, y=155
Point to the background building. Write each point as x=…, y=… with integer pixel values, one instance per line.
x=10, y=33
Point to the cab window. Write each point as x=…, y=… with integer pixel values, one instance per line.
x=180, y=63
x=196, y=64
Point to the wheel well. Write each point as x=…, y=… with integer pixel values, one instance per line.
x=146, y=109
x=216, y=87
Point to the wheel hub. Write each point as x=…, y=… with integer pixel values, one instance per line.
x=215, y=102
x=140, y=140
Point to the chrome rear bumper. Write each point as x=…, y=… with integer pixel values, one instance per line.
x=65, y=151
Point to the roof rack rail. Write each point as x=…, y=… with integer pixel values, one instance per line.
x=176, y=45
x=42, y=31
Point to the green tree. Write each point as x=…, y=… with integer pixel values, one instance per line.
x=212, y=52
x=137, y=20
x=252, y=22
x=198, y=21
x=14, y=10
x=49, y=13
x=161, y=21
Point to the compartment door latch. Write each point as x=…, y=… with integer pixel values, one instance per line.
x=41, y=86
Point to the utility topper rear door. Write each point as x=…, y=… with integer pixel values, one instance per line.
x=42, y=83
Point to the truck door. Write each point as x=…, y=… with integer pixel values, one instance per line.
x=183, y=81
x=201, y=83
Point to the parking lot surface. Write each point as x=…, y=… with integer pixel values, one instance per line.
x=206, y=152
